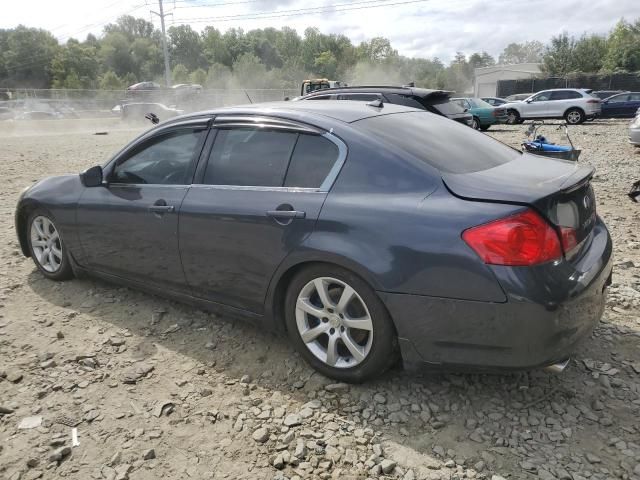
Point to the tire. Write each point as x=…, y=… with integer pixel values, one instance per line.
x=47, y=247
x=484, y=128
x=574, y=116
x=475, y=123
x=375, y=347
x=513, y=117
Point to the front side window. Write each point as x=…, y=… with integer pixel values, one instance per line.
x=542, y=97
x=163, y=160
x=249, y=157
x=359, y=97
x=618, y=99
x=634, y=97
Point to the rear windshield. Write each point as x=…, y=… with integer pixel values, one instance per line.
x=444, y=106
x=444, y=144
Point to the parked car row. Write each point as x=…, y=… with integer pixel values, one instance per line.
x=572, y=104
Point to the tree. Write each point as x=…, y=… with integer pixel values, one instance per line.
x=75, y=66
x=214, y=48
x=198, y=76
x=110, y=81
x=527, y=52
x=249, y=72
x=132, y=28
x=325, y=65
x=218, y=76
x=185, y=47
x=180, y=74
x=623, y=48
x=115, y=54
x=26, y=57
x=558, y=58
x=478, y=60
x=589, y=53
x=377, y=50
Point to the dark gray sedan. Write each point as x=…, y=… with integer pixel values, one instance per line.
x=362, y=230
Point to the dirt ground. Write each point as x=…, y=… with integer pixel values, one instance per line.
x=160, y=390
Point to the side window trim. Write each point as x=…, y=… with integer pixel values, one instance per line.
x=126, y=154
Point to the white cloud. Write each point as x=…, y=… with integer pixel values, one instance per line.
x=425, y=29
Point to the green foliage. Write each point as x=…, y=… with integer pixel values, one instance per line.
x=130, y=50
x=527, y=52
x=623, y=48
x=111, y=81
x=75, y=66
x=180, y=74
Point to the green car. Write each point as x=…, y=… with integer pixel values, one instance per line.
x=484, y=114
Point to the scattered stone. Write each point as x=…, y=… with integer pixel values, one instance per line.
x=149, y=454
x=278, y=462
x=28, y=423
x=261, y=435
x=164, y=407
x=292, y=420
x=172, y=329
x=14, y=376
x=58, y=454
x=591, y=458
x=336, y=387
x=138, y=372
x=388, y=466
x=5, y=410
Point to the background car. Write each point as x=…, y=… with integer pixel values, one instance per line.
x=634, y=130
x=484, y=114
x=603, y=94
x=495, y=101
x=622, y=105
x=359, y=230
x=137, y=111
x=518, y=97
x=434, y=101
x=574, y=105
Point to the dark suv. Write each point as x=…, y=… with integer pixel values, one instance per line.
x=434, y=101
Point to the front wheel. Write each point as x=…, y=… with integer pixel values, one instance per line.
x=338, y=324
x=475, y=123
x=47, y=248
x=574, y=116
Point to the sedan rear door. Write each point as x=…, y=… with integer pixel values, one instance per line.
x=257, y=195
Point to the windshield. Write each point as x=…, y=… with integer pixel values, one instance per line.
x=444, y=144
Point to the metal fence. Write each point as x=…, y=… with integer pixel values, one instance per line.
x=101, y=102
x=616, y=81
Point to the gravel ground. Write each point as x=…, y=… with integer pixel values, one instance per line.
x=160, y=390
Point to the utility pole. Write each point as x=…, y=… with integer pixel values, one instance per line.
x=167, y=70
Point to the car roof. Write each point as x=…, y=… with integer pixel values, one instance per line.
x=419, y=92
x=342, y=111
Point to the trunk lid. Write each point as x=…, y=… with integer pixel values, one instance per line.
x=560, y=190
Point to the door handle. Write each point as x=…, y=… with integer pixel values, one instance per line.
x=162, y=208
x=286, y=214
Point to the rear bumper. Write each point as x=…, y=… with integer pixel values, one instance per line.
x=634, y=136
x=531, y=329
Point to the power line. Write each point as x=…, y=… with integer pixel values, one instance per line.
x=301, y=11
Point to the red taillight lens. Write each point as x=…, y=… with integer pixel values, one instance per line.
x=569, y=238
x=595, y=100
x=519, y=240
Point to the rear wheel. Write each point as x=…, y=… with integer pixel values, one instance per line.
x=47, y=248
x=484, y=128
x=574, y=116
x=513, y=117
x=338, y=324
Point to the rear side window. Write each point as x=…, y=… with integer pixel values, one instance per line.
x=311, y=162
x=565, y=95
x=249, y=157
x=446, y=145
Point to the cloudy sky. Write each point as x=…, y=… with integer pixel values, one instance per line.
x=416, y=28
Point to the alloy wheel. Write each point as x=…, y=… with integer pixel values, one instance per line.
x=46, y=244
x=334, y=322
x=574, y=117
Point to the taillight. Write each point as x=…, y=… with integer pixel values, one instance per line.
x=518, y=240
x=595, y=100
x=569, y=238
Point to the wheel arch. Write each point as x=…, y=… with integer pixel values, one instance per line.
x=274, y=304
x=21, y=217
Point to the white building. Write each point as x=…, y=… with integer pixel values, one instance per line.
x=485, y=82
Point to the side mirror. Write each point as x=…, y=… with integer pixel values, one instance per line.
x=92, y=177
x=528, y=100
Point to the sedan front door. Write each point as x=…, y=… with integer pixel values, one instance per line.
x=129, y=226
x=262, y=187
